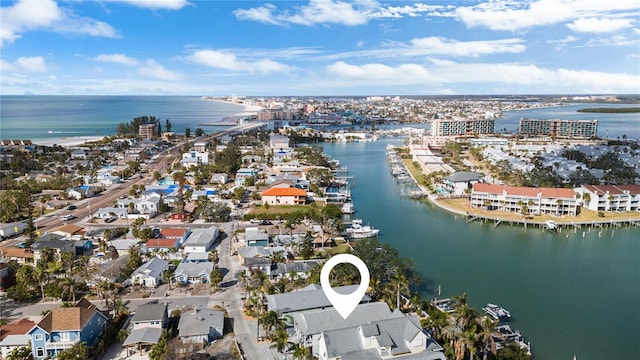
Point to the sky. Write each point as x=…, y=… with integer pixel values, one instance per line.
x=319, y=47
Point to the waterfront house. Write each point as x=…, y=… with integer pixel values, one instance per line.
x=201, y=326
x=150, y=273
x=193, y=273
x=308, y=298
x=398, y=337
x=460, y=182
x=553, y=201
x=284, y=196
x=201, y=240
x=62, y=328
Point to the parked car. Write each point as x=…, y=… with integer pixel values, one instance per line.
x=68, y=217
x=110, y=219
x=71, y=207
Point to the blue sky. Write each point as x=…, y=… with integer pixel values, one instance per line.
x=319, y=47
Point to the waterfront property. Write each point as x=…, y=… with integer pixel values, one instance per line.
x=284, y=196
x=553, y=201
x=611, y=197
x=582, y=129
x=460, y=182
x=462, y=127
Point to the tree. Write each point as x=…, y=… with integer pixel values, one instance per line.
x=199, y=132
x=279, y=342
x=21, y=353
x=159, y=349
x=300, y=352
x=271, y=322
x=79, y=351
x=216, y=278
x=167, y=125
x=487, y=335
x=187, y=132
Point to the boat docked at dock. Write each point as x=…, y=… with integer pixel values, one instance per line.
x=347, y=208
x=360, y=231
x=497, y=312
x=550, y=225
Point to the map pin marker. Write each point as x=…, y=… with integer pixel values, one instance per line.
x=344, y=303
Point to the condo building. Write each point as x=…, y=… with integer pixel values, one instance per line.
x=583, y=129
x=461, y=127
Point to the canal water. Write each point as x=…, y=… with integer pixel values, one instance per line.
x=569, y=294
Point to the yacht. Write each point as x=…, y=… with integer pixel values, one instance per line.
x=550, y=225
x=359, y=231
x=497, y=312
x=347, y=208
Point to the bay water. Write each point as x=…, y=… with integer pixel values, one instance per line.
x=568, y=294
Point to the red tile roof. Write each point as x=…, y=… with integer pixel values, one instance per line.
x=613, y=189
x=284, y=192
x=173, y=232
x=161, y=243
x=18, y=327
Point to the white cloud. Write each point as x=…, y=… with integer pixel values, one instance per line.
x=30, y=15
x=116, y=58
x=313, y=13
x=616, y=40
x=228, y=61
x=443, y=46
x=448, y=73
x=34, y=64
x=155, y=4
x=596, y=25
x=567, y=40
x=518, y=15
x=155, y=70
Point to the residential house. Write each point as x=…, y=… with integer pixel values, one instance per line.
x=219, y=178
x=179, y=233
x=201, y=326
x=147, y=204
x=107, y=212
x=150, y=273
x=21, y=256
x=201, y=240
x=256, y=237
x=555, y=201
x=309, y=325
x=152, y=315
x=459, y=183
x=194, y=158
x=284, y=196
x=398, y=337
x=67, y=231
x=245, y=173
x=308, y=298
x=79, y=192
x=53, y=242
x=164, y=248
x=193, y=273
x=62, y=328
x=279, y=142
x=79, y=154
x=15, y=335
x=197, y=257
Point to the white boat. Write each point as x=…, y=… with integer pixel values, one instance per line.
x=347, y=208
x=550, y=225
x=359, y=231
x=497, y=312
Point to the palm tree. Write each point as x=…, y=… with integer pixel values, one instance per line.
x=21, y=353
x=487, y=336
x=280, y=340
x=300, y=352
x=586, y=198
x=400, y=283
x=271, y=322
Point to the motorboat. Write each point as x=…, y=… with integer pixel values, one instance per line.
x=360, y=231
x=347, y=208
x=497, y=312
x=550, y=225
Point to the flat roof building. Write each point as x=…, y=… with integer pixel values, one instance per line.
x=581, y=129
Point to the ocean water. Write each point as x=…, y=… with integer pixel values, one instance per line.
x=568, y=294
x=46, y=117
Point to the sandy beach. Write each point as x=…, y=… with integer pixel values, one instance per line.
x=68, y=141
x=248, y=109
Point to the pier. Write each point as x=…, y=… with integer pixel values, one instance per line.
x=617, y=223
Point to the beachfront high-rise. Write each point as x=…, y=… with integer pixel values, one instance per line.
x=147, y=131
x=579, y=129
x=461, y=127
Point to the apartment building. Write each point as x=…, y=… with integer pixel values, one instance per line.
x=578, y=129
x=462, y=127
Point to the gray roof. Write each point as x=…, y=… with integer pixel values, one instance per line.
x=201, y=237
x=200, y=321
x=252, y=251
x=61, y=245
x=319, y=320
x=16, y=340
x=150, y=312
x=345, y=341
x=306, y=299
x=464, y=176
x=194, y=269
x=256, y=235
x=296, y=266
x=154, y=266
x=147, y=335
x=198, y=256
